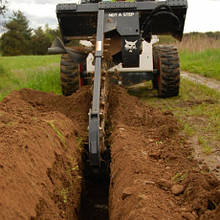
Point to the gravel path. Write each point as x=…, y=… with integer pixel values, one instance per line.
x=211, y=83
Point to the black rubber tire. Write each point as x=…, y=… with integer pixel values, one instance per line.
x=69, y=75
x=155, y=66
x=167, y=79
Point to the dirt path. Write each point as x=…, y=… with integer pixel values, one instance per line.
x=213, y=159
x=211, y=83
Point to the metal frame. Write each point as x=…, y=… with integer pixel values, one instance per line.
x=144, y=11
x=68, y=14
x=114, y=6
x=94, y=114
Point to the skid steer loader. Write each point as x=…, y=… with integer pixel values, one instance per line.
x=118, y=32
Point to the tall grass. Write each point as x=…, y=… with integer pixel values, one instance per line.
x=36, y=72
x=201, y=55
x=205, y=63
x=198, y=44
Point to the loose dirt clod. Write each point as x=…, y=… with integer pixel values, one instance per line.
x=164, y=184
x=126, y=193
x=188, y=216
x=177, y=189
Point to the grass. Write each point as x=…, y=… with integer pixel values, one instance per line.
x=28, y=62
x=197, y=108
x=36, y=72
x=198, y=43
x=59, y=134
x=179, y=177
x=189, y=131
x=206, y=147
x=201, y=55
x=64, y=193
x=196, y=62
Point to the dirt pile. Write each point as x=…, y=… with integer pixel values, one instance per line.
x=153, y=174
x=40, y=154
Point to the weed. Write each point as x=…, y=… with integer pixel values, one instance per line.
x=76, y=167
x=206, y=148
x=59, y=134
x=179, y=177
x=205, y=171
x=79, y=141
x=11, y=123
x=190, y=157
x=188, y=129
x=64, y=193
x=74, y=164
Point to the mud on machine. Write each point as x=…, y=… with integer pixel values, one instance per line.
x=118, y=32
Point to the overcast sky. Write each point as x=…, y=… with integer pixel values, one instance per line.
x=202, y=15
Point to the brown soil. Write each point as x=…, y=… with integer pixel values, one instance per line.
x=40, y=154
x=153, y=175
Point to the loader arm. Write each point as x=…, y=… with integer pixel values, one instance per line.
x=80, y=21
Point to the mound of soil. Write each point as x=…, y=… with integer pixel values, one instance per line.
x=153, y=174
x=40, y=154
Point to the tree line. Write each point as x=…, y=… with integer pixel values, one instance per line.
x=20, y=39
x=167, y=39
x=213, y=35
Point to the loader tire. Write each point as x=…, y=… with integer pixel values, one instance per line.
x=155, y=66
x=167, y=78
x=69, y=75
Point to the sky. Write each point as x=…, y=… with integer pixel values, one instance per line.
x=202, y=15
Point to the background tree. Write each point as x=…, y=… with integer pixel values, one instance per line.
x=42, y=39
x=16, y=40
x=3, y=8
x=40, y=42
x=52, y=33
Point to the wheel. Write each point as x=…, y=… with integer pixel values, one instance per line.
x=69, y=75
x=156, y=67
x=85, y=77
x=167, y=78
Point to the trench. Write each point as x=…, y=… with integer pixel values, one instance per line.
x=95, y=189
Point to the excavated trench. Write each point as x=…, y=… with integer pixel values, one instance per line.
x=95, y=192
x=44, y=172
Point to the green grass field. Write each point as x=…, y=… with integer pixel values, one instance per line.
x=36, y=72
x=201, y=55
x=206, y=62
